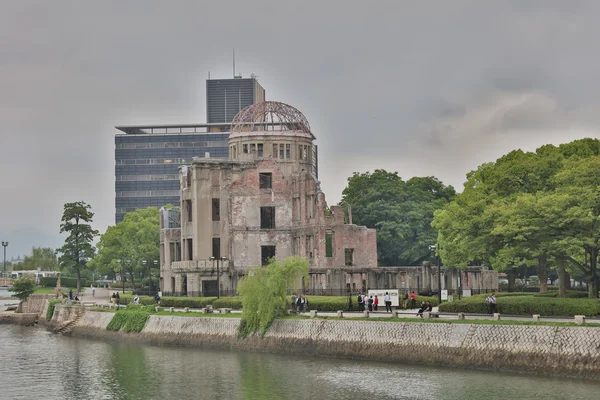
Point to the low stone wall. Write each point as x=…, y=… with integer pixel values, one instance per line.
x=564, y=351
x=18, y=318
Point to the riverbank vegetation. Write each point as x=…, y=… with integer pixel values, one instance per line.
x=130, y=319
x=263, y=292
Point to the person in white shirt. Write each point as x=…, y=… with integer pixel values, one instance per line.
x=388, y=302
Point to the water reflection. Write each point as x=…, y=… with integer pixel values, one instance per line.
x=39, y=364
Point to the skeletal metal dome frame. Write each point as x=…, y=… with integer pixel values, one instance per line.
x=270, y=116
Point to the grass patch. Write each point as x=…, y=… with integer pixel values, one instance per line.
x=130, y=319
x=51, y=305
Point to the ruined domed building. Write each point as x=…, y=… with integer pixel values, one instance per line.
x=265, y=201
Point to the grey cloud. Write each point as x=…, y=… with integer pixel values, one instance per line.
x=424, y=88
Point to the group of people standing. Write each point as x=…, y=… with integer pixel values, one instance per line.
x=366, y=302
x=115, y=298
x=299, y=303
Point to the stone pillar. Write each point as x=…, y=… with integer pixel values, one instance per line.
x=496, y=317
x=580, y=319
x=313, y=313
x=340, y=314
x=171, y=309
x=461, y=316
x=536, y=318
x=366, y=314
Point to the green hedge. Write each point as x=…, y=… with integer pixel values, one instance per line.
x=50, y=281
x=527, y=305
x=201, y=302
x=127, y=298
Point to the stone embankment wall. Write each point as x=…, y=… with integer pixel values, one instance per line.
x=36, y=303
x=565, y=351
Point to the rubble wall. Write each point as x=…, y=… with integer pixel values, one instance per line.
x=557, y=350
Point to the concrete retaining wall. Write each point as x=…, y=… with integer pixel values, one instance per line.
x=565, y=351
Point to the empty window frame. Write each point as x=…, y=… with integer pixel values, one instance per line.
x=188, y=210
x=288, y=150
x=190, y=250
x=265, y=180
x=216, y=209
x=266, y=253
x=349, y=256
x=252, y=147
x=267, y=218
x=245, y=148
x=259, y=150
x=216, y=247
x=281, y=152
x=329, y=244
x=275, y=150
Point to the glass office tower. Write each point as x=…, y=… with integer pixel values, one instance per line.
x=147, y=161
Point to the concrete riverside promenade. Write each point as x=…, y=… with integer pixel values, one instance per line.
x=568, y=351
x=102, y=297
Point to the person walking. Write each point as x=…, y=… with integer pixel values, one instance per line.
x=413, y=300
x=405, y=301
x=157, y=298
x=375, y=303
x=388, y=302
x=70, y=294
x=491, y=300
x=118, y=299
x=93, y=290
x=361, y=302
x=293, y=302
x=370, y=303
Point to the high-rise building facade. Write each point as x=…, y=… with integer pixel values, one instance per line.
x=147, y=157
x=226, y=97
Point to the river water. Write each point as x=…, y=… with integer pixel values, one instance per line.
x=37, y=364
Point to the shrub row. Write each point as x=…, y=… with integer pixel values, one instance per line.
x=50, y=281
x=201, y=302
x=127, y=298
x=527, y=305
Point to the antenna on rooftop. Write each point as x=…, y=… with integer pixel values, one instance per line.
x=234, y=63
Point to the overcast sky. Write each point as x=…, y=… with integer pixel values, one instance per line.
x=418, y=87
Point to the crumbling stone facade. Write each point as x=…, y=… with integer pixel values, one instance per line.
x=265, y=201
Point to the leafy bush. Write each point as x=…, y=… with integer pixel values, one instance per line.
x=22, y=288
x=527, y=305
x=51, y=305
x=130, y=319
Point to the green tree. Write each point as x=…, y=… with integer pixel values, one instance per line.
x=78, y=248
x=135, y=239
x=529, y=209
x=22, y=288
x=400, y=211
x=264, y=292
x=43, y=258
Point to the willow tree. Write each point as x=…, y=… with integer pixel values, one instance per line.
x=264, y=292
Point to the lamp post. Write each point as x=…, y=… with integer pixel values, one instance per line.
x=155, y=263
x=128, y=262
x=218, y=274
x=4, y=244
x=436, y=249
